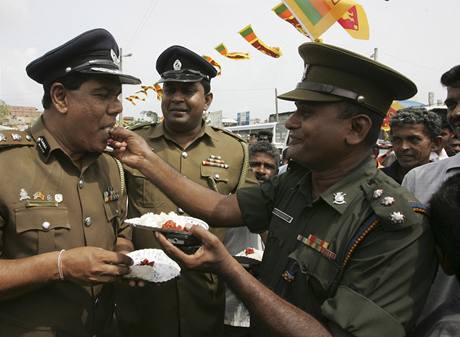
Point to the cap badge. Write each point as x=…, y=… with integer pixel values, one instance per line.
x=177, y=65
x=339, y=198
x=397, y=217
x=305, y=71
x=23, y=195
x=114, y=57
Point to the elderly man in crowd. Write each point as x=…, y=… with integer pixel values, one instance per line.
x=415, y=133
x=62, y=200
x=348, y=251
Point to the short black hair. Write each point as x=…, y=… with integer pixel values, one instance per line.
x=267, y=148
x=442, y=113
x=265, y=135
x=353, y=109
x=417, y=115
x=444, y=208
x=451, y=78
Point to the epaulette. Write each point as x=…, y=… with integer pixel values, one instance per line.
x=9, y=138
x=142, y=125
x=393, y=205
x=237, y=137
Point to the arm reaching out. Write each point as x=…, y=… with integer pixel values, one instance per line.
x=197, y=200
x=278, y=316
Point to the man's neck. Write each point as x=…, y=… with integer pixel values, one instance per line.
x=183, y=138
x=322, y=180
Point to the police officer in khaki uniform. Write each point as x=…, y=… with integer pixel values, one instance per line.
x=62, y=200
x=192, y=305
x=349, y=251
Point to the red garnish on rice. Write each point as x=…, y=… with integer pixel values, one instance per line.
x=248, y=251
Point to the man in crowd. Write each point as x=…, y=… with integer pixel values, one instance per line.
x=62, y=200
x=415, y=132
x=425, y=180
x=263, y=160
x=446, y=134
x=192, y=305
x=346, y=253
x=453, y=147
x=444, y=214
x=264, y=136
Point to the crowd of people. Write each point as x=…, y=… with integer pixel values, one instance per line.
x=350, y=248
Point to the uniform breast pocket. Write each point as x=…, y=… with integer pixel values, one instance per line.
x=141, y=190
x=38, y=227
x=318, y=271
x=216, y=177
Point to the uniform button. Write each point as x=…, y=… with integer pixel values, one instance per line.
x=88, y=221
x=81, y=183
x=46, y=225
x=180, y=210
x=184, y=154
x=216, y=176
x=117, y=212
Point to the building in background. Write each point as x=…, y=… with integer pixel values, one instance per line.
x=243, y=118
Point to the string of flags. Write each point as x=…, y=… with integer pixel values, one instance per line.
x=310, y=18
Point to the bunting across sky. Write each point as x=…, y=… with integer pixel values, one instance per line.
x=221, y=49
x=309, y=17
x=249, y=35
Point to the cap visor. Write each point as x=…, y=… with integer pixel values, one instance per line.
x=307, y=95
x=124, y=78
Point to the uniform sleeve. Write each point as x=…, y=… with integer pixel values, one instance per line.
x=256, y=204
x=384, y=287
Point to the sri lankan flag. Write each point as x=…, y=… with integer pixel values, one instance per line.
x=284, y=13
x=354, y=21
x=231, y=55
x=214, y=63
x=317, y=16
x=249, y=35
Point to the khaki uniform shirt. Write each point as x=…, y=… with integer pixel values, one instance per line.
x=193, y=304
x=359, y=258
x=47, y=204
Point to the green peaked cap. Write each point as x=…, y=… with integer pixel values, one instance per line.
x=334, y=74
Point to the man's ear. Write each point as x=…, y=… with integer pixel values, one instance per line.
x=58, y=94
x=360, y=126
x=208, y=100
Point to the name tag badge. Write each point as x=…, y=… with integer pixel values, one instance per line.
x=280, y=214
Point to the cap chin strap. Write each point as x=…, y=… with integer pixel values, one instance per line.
x=330, y=90
x=94, y=63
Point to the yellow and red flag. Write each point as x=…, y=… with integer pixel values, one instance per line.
x=248, y=34
x=231, y=55
x=317, y=16
x=355, y=23
x=214, y=63
x=395, y=106
x=284, y=13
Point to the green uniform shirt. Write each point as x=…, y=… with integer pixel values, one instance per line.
x=47, y=204
x=366, y=220
x=193, y=304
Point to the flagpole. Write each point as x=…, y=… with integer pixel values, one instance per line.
x=276, y=104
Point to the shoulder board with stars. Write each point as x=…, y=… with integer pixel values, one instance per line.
x=142, y=125
x=393, y=205
x=229, y=133
x=10, y=138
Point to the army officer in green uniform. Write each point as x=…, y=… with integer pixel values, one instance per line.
x=349, y=252
x=192, y=305
x=62, y=200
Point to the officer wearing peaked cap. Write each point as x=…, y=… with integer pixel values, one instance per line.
x=354, y=263
x=58, y=235
x=192, y=305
